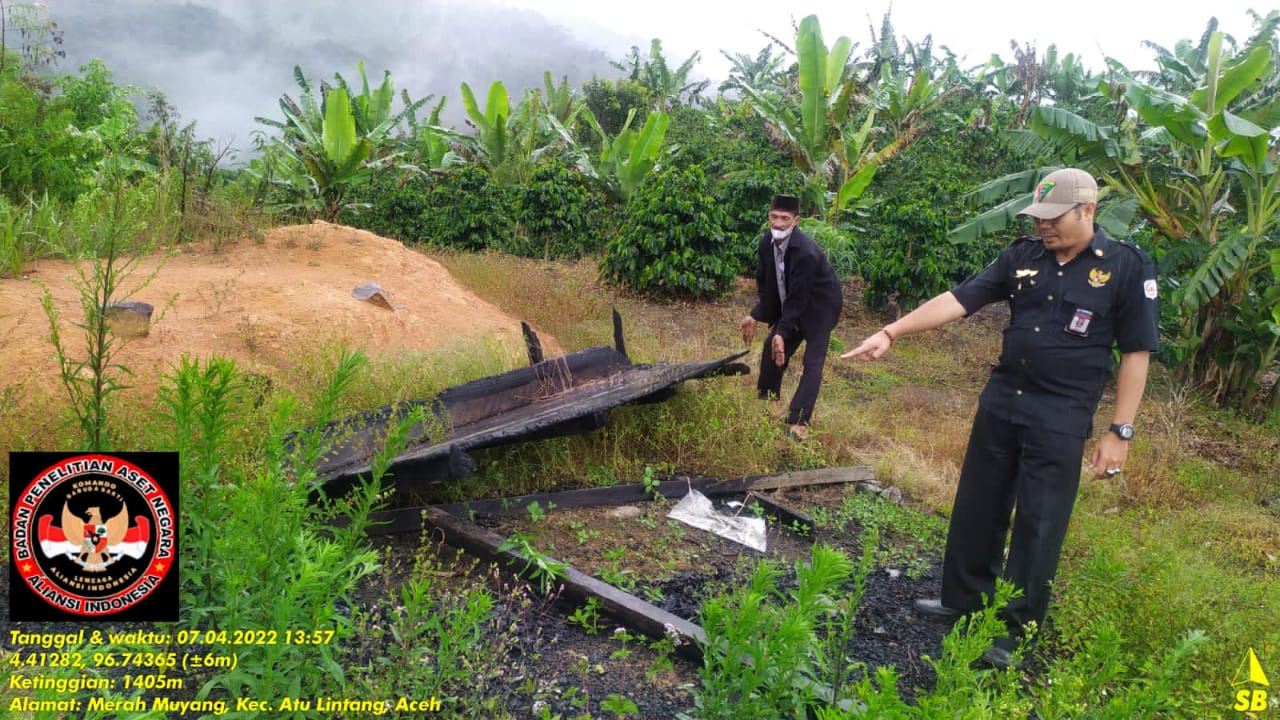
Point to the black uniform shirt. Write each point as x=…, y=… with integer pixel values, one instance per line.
x=1063, y=321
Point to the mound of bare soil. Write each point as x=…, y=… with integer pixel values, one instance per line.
x=261, y=302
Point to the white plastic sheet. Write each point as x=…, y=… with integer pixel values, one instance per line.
x=695, y=509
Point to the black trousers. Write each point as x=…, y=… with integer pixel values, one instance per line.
x=1032, y=473
x=769, y=383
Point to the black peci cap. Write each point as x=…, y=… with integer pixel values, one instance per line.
x=786, y=203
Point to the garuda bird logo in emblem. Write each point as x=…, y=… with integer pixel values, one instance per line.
x=93, y=543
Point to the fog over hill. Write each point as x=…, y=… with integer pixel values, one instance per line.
x=223, y=62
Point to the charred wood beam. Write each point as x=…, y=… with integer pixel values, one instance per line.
x=531, y=343
x=627, y=608
x=824, y=476
x=618, y=343
x=793, y=521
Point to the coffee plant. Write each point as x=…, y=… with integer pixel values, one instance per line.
x=673, y=242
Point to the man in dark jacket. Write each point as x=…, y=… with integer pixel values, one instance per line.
x=800, y=299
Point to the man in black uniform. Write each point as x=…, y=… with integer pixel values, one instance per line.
x=1072, y=293
x=799, y=297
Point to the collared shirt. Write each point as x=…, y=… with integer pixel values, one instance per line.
x=1064, y=318
x=780, y=263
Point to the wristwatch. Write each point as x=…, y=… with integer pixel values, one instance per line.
x=1124, y=430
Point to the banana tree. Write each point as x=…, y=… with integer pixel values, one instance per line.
x=372, y=108
x=631, y=155
x=510, y=142
x=810, y=131
x=668, y=87
x=492, y=141
x=1186, y=168
x=328, y=145
x=763, y=70
x=332, y=160
x=429, y=144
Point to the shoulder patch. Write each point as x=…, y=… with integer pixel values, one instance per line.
x=1150, y=289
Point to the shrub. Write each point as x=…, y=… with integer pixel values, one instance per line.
x=745, y=169
x=610, y=102
x=913, y=260
x=840, y=246
x=462, y=209
x=672, y=242
x=560, y=213
x=919, y=196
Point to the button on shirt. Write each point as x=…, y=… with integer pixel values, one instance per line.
x=779, y=262
x=1063, y=320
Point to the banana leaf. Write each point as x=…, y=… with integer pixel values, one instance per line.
x=990, y=222
x=811, y=52
x=339, y=138
x=1237, y=78
x=1237, y=137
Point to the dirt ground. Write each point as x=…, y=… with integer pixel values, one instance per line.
x=260, y=302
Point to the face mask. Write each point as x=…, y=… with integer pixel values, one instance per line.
x=780, y=234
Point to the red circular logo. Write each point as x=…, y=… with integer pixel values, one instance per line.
x=93, y=535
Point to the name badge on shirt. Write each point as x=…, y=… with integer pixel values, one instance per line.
x=1079, y=324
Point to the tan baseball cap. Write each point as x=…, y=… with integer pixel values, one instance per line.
x=1060, y=191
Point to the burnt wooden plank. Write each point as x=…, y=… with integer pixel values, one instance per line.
x=618, y=343
x=549, y=398
x=531, y=343
x=793, y=521
x=627, y=608
x=802, y=478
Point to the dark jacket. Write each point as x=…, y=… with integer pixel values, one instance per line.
x=814, y=299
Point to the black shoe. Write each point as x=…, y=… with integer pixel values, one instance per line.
x=997, y=658
x=935, y=610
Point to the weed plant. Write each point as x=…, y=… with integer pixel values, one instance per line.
x=23, y=230
x=772, y=654
x=761, y=657
x=91, y=380
x=543, y=569
x=913, y=537
x=453, y=631
x=260, y=554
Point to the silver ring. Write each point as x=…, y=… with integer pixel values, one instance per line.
x=1113, y=472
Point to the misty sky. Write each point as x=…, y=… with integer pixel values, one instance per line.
x=223, y=62
x=1090, y=28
